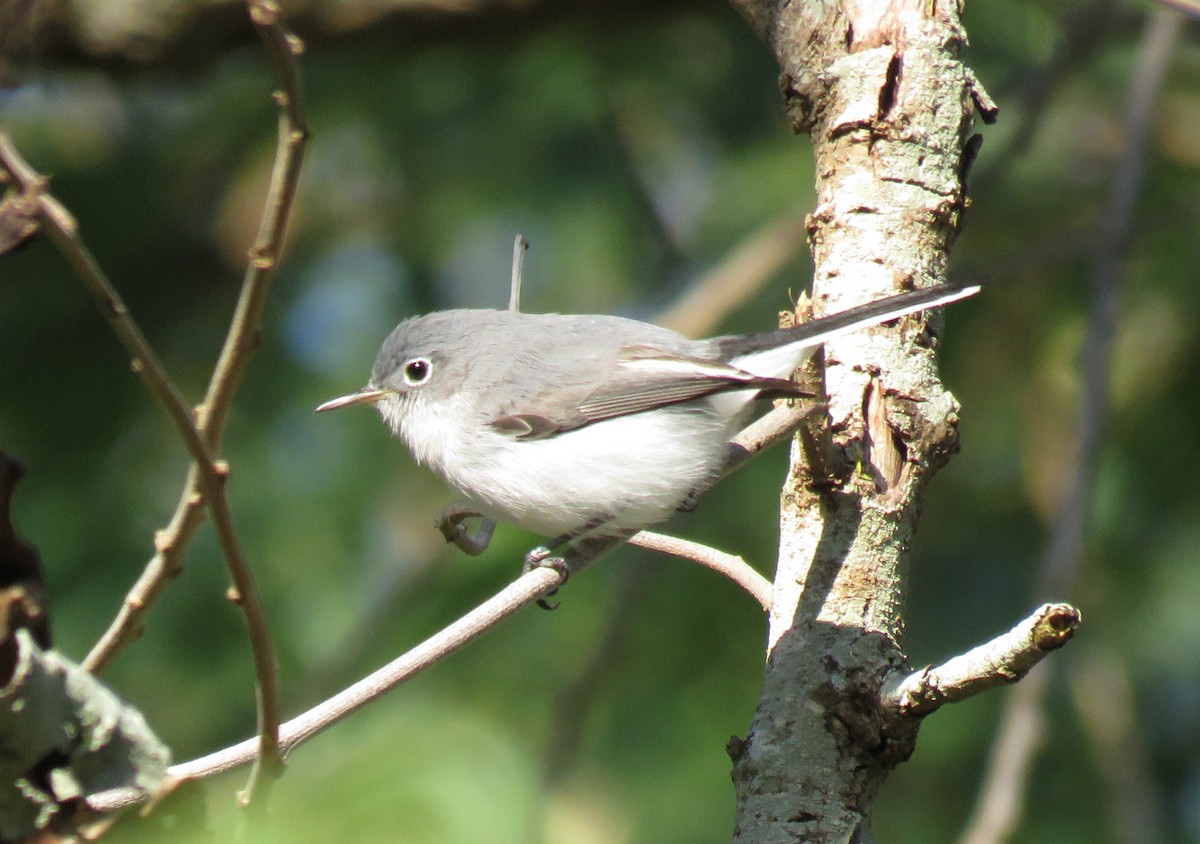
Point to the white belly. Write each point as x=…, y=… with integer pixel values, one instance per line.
x=633, y=470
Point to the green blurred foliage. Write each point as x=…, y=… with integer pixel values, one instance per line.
x=632, y=157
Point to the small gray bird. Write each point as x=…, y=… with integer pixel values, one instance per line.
x=574, y=426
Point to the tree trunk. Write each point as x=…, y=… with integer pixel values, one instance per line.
x=888, y=103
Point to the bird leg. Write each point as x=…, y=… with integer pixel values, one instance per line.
x=450, y=523
x=579, y=549
x=540, y=557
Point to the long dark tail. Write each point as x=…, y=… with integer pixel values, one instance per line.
x=817, y=331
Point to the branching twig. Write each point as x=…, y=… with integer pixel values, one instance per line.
x=525, y=590
x=202, y=433
x=999, y=804
x=211, y=474
x=733, y=567
x=1004, y=660
x=240, y=342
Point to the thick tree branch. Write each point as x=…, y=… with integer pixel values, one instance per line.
x=882, y=91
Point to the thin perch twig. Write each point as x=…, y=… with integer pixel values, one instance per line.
x=529, y=587
x=524, y=590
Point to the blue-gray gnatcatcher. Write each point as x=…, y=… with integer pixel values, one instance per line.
x=574, y=426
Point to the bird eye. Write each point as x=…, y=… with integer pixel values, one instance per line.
x=417, y=371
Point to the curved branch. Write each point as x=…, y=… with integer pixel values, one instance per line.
x=733, y=567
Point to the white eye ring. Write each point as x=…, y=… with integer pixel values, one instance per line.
x=417, y=371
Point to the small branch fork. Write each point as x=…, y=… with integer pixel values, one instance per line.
x=208, y=473
x=201, y=428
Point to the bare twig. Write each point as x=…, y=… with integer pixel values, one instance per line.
x=1003, y=660
x=524, y=590
x=764, y=432
x=206, y=477
x=735, y=568
x=170, y=543
x=240, y=342
x=283, y=48
x=211, y=474
x=998, y=809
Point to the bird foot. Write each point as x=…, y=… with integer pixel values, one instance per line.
x=542, y=558
x=450, y=523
